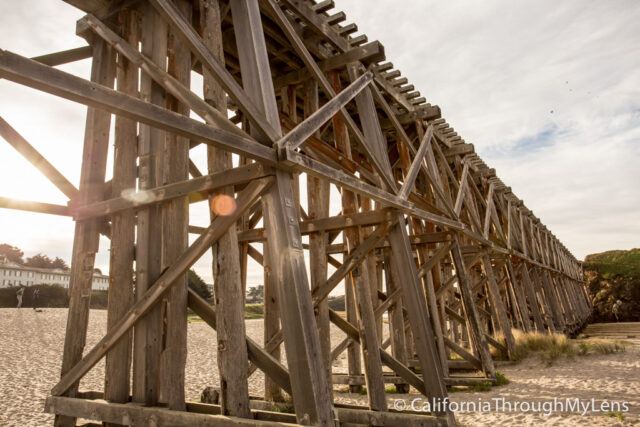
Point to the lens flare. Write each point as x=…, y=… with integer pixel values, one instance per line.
x=223, y=205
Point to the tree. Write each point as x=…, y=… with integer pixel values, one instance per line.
x=12, y=253
x=60, y=263
x=198, y=285
x=39, y=261
x=255, y=294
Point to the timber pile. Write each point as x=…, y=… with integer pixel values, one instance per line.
x=427, y=232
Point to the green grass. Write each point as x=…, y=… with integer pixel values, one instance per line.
x=616, y=414
x=483, y=386
x=391, y=390
x=501, y=379
x=551, y=346
x=254, y=311
x=615, y=263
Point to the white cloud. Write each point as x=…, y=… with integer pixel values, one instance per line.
x=496, y=68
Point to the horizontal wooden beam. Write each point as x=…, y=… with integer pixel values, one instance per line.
x=303, y=163
x=134, y=414
x=56, y=82
x=65, y=56
x=140, y=199
x=37, y=207
x=371, y=52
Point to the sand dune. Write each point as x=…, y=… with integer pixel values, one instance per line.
x=31, y=350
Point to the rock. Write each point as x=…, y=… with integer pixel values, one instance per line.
x=614, y=276
x=210, y=395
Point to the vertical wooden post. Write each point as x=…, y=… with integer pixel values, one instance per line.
x=474, y=326
x=423, y=257
x=543, y=298
x=118, y=360
x=313, y=401
x=531, y=297
x=349, y=206
x=146, y=354
x=498, y=305
x=522, y=302
x=229, y=292
x=417, y=309
x=86, y=237
x=552, y=298
x=365, y=318
x=396, y=317
x=371, y=261
x=175, y=221
x=318, y=205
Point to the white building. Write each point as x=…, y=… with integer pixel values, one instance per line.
x=13, y=274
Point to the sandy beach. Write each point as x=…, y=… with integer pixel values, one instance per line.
x=31, y=353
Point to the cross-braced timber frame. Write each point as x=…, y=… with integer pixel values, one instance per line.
x=427, y=234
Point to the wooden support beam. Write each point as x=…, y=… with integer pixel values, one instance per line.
x=147, y=339
x=418, y=160
x=393, y=92
x=121, y=287
x=228, y=290
x=193, y=187
x=38, y=207
x=353, y=260
x=86, y=240
x=498, y=304
x=30, y=73
x=265, y=124
x=172, y=85
x=383, y=169
x=531, y=297
x=311, y=124
x=371, y=52
x=64, y=56
x=136, y=415
x=474, y=324
x=318, y=196
x=313, y=403
x=256, y=354
x=168, y=277
x=417, y=310
x=434, y=259
x=305, y=164
x=464, y=182
x=317, y=23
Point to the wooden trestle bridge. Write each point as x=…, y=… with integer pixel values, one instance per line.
x=427, y=232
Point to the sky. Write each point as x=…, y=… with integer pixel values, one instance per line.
x=548, y=92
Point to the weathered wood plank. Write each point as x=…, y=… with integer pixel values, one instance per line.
x=121, y=288
x=318, y=197
x=313, y=403
x=86, y=239
x=228, y=289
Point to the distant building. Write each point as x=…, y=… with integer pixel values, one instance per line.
x=13, y=274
